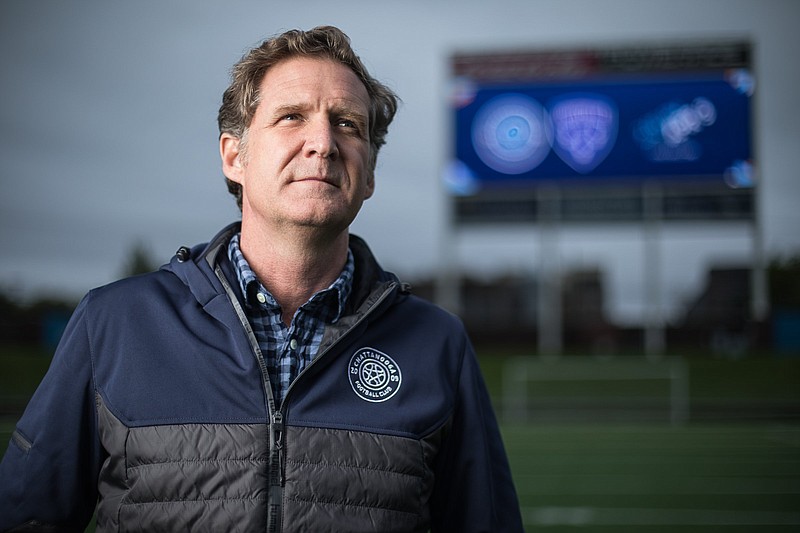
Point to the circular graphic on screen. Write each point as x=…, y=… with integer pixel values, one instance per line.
x=511, y=134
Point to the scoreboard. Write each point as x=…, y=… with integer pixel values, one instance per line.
x=601, y=127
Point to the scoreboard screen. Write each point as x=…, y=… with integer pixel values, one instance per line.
x=618, y=118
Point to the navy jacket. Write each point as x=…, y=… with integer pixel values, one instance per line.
x=157, y=412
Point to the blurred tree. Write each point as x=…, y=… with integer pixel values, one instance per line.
x=41, y=321
x=784, y=292
x=784, y=283
x=140, y=260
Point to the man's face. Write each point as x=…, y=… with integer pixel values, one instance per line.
x=306, y=161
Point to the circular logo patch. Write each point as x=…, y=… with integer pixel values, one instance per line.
x=374, y=376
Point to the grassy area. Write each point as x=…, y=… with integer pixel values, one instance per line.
x=21, y=370
x=643, y=478
x=734, y=466
x=763, y=378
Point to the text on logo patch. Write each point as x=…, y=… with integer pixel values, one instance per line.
x=374, y=376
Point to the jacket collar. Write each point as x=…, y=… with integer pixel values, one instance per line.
x=196, y=269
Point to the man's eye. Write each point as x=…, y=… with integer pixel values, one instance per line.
x=345, y=123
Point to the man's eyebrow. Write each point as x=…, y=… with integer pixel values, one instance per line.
x=336, y=109
x=353, y=112
x=288, y=109
x=349, y=109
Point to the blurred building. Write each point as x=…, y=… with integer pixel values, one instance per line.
x=502, y=311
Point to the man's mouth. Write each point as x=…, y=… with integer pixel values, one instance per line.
x=319, y=179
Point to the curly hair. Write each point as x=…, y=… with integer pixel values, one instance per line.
x=241, y=99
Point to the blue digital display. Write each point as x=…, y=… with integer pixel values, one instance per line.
x=620, y=129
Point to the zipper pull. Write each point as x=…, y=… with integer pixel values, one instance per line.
x=277, y=441
x=277, y=429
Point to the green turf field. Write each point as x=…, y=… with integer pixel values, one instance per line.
x=648, y=478
x=599, y=453
x=734, y=465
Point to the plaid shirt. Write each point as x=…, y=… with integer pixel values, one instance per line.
x=287, y=350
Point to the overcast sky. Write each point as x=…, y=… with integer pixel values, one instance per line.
x=108, y=130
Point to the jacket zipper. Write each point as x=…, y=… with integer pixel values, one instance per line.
x=275, y=500
x=275, y=492
x=277, y=414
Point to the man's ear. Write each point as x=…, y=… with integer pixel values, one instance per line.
x=231, y=155
x=370, y=185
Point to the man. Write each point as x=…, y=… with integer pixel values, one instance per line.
x=276, y=378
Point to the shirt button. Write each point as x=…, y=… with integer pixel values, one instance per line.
x=293, y=344
x=261, y=298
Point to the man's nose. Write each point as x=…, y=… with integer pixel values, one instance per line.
x=321, y=140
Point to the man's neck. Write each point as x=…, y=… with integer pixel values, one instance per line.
x=293, y=267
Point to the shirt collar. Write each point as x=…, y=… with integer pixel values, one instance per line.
x=328, y=303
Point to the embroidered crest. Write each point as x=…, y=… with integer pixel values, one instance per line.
x=374, y=376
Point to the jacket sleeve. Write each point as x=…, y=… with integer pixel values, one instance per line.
x=48, y=476
x=474, y=490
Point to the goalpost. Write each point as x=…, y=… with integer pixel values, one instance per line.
x=592, y=379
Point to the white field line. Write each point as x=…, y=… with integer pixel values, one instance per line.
x=597, y=516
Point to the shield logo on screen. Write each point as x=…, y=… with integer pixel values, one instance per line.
x=584, y=130
x=511, y=134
